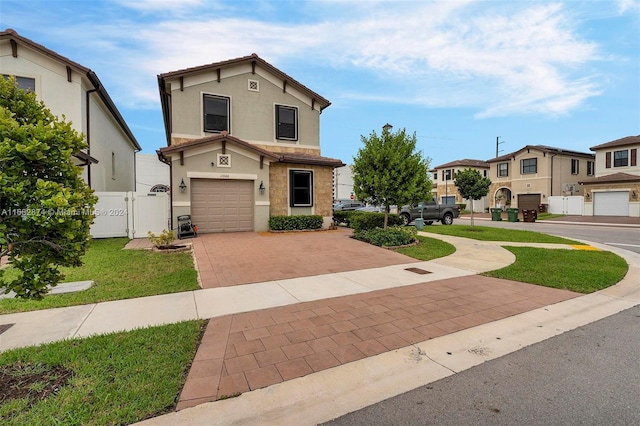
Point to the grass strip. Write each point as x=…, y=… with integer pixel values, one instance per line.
x=118, y=378
x=576, y=270
x=118, y=274
x=427, y=249
x=486, y=233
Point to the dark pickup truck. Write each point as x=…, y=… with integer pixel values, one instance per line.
x=431, y=212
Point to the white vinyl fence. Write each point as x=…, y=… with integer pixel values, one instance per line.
x=130, y=214
x=573, y=205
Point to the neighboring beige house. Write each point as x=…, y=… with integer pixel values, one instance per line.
x=615, y=188
x=343, y=184
x=527, y=177
x=243, y=145
x=69, y=88
x=444, y=188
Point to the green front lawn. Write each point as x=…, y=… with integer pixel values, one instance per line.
x=114, y=379
x=576, y=270
x=118, y=274
x=486, y=233
x=428, y=249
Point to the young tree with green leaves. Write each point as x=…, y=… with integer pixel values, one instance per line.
x=471, y=185
x=46, y=208
x=388, y=171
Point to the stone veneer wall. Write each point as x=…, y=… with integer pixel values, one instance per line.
x=279, y=189
x=631, y=186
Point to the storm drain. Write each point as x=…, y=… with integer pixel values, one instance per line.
x=417, y=271
x=5, y=327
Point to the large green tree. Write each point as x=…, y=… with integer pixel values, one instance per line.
x=471, y=185
x=45, y=205
x=388, y=171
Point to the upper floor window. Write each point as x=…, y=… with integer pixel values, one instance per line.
x=484, y=172
x=620, y=158
x=286, y=122
x=25, y=83
x=503, y=169
x=217, y=113
x=300, y=188
x=590, y=168
x=446, y=174
x=529, y=165
x=575, y=166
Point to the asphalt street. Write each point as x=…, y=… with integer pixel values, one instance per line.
x=587, y=376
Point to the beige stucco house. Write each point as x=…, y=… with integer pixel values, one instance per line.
x=527, y=177
x=243, y=144
x=615, y=188
x=444, y=189
x=70, y=89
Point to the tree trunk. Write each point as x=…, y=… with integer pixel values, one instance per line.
x=387, y=209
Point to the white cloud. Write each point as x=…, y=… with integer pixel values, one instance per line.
x=498, y=58
x=625, y=6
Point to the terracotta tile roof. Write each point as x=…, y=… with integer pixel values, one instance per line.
x=224, y=136
x=248, y=59
x=16, y=38
x=613, y=178
x=291, y=157
x=464, y=163
x=288, y=157
x=629, y=140
x=543, y=148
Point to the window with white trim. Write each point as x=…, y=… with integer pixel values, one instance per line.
x=217, y=113
x=300, y=188
x=25, y=83
x=286, y=122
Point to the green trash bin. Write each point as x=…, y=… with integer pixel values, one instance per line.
x=513, y=215
x=419, y=223
x=496, y=214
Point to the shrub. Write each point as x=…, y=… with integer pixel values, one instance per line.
x=299, y=222
x=372, y=220
x=343, y=216
x=391, y=237
x=462, y=206
x=162, y=240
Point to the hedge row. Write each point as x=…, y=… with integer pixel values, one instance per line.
x=299, y=222
x=365, y=220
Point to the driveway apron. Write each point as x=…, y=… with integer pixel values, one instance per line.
x=228, y=259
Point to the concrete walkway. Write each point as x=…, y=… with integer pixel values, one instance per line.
x=343, y=388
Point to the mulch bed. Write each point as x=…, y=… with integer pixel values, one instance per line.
x=34, y=382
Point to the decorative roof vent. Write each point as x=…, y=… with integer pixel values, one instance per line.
x=254, y=86
x=223, y=160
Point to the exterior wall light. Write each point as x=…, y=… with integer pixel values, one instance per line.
x=182, y=186
x=634, y=194
x=587, y=195
x=262, y=188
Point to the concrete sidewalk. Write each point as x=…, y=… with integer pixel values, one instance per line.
x=331, y=392
x=37, y=327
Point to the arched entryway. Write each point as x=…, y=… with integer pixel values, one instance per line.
x=502, y=198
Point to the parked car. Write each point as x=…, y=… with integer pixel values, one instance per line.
x=348, y=205
x=431, y=212
x=376, y=209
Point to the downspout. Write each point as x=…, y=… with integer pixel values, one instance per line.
x=551, y=192
x=88, y=113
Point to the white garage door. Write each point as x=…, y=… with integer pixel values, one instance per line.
x=220, y=205
x=615, y=203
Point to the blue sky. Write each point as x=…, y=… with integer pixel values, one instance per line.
x=457, y=73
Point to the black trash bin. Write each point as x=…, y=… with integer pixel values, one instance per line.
x=529, y=215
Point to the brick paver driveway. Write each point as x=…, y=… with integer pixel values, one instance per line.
x=229, y=259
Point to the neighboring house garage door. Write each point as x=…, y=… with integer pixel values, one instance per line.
x=220, y=205
x=615, y=203
x=528, y=201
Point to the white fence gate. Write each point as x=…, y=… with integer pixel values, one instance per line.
x=573, y=205
x=130, y=214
